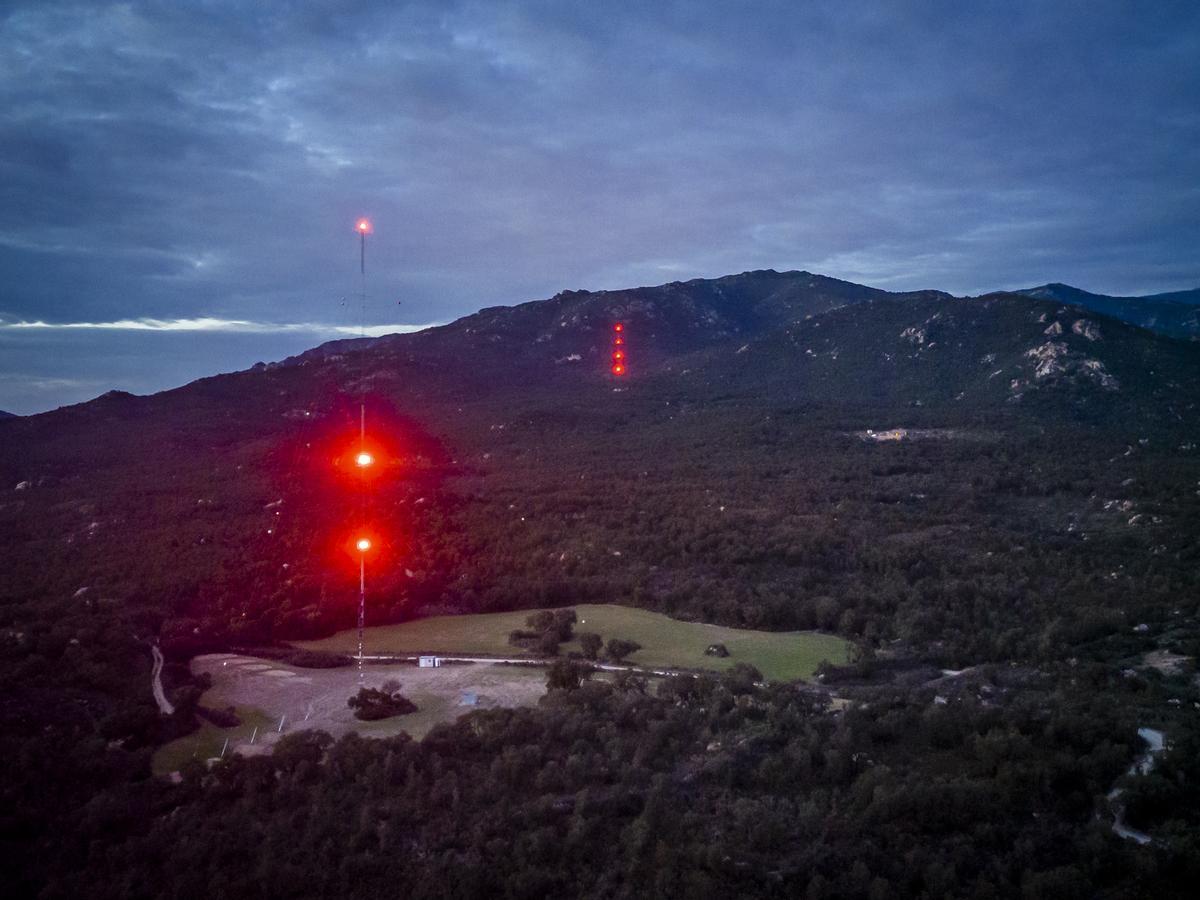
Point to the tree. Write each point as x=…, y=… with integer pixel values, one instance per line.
x=591, y=644
x=741, y=678
x=564, y=620
x=558, y=621
x=548, y=642
x=617, y=648
x=372, y=704
x=567, y=675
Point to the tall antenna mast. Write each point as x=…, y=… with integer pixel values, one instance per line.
x=363, y=459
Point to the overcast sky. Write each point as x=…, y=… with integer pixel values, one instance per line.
x=180, y=180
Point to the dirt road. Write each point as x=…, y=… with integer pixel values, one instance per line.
x=164, y=705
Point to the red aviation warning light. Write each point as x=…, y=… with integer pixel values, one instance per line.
x=363, y=543
x=363, y=227
x=618, y=355
x=363, y=460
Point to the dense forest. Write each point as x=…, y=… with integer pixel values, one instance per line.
x=699, y=788
x=1038, y=529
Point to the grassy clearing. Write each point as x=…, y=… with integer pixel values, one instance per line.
x=263, y=692
x=207, y=742
x=666, y=642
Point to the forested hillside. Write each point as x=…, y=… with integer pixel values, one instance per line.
x=999, y=481
x=1176, y=314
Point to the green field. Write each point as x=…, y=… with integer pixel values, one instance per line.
x=666, y=642
x=207, y=742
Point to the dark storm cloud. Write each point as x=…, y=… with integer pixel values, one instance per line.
x=188, y=160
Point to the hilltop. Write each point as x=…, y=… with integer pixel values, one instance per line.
x=1175, y=314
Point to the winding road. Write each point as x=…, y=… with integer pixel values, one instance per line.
x=1141, y=766
x=164, y=705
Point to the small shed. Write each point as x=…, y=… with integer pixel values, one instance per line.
x=429, y=662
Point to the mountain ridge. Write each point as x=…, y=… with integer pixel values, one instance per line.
x=562, y=343
x=1174, y=314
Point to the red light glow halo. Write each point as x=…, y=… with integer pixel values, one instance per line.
x=363, y=458
x=363, y=226
x=352, y=545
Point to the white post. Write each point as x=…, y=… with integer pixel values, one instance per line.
x=279, y=730
x=224, y=747
x=255, y=735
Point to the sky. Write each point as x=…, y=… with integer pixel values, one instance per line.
x=179, y=181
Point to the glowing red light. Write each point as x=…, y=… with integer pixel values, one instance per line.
x=618, y=369
x=617, y=342
x=364, y=459
x=618, y=355
x=363, y=542
x=363, y=226
x=618, y=327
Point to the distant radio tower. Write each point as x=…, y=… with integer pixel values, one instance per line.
x=363, y=459
x=363, y=227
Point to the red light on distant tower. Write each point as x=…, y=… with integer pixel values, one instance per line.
x=618, y=355
x=363, y=544
x=364, y=459
x=363, y=226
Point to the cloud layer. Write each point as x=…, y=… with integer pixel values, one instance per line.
x=192, y=162
x=210, y=324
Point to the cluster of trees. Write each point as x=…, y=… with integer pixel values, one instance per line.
x=545, y=630
x=373, y=704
